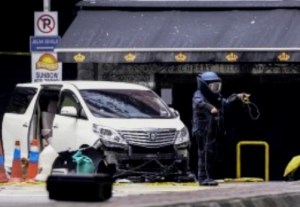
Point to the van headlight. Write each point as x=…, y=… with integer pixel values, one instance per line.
x=183, y=138
x=110, y=137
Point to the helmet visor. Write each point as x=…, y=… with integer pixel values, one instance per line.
x=215, y=87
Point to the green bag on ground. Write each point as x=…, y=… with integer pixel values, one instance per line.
x=85, y=164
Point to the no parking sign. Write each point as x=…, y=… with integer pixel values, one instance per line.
x=45, y=24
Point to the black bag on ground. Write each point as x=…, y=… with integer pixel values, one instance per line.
x=72, y=187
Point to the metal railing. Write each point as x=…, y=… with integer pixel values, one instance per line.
x=252, y=143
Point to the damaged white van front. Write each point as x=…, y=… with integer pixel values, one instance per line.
x=128, y=125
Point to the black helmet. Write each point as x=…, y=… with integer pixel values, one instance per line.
x=211, y=80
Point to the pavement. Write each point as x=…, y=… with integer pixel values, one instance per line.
x=229, y=194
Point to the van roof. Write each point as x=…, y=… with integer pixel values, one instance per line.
x=89, y=84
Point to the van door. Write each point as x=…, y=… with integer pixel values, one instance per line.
x=70, y=131
x=19, y=122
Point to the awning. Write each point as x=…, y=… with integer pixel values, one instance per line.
x=191, y=4
x=119, y=36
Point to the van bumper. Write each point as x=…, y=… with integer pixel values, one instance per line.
x=160, y=163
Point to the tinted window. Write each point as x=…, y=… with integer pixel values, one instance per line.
x=20, y=100
x=125, y=104
x=69, y=99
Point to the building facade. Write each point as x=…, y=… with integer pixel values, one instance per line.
x=254, y=46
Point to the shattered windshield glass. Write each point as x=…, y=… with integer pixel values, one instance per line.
x=120, y=103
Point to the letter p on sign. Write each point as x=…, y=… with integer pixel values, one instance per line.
x=45, y=24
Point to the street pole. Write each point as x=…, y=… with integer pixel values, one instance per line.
x=47, y=5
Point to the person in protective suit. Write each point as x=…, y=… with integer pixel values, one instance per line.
x=207, y=124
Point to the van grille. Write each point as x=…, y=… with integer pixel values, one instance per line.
x=153, y=138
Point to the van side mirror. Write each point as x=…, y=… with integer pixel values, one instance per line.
x=69, y=111
x=175, y=112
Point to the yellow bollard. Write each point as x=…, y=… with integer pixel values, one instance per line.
x=238, y=156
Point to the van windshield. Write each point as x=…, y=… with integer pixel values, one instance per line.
x=119, y=103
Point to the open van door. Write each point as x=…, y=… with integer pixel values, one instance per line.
x=19, y=122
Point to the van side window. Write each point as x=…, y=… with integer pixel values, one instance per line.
x=69, y=99
x=20, y=100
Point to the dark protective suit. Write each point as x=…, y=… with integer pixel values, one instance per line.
x=207, y=127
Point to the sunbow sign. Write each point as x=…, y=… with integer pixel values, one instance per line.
x=46, y=67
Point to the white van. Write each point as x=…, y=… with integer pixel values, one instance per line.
x=128, y=124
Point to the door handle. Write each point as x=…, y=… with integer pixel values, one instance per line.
x=25, y=125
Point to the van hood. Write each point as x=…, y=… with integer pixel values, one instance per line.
x=124, y=124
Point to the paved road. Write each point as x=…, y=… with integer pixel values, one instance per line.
x=142, y=195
